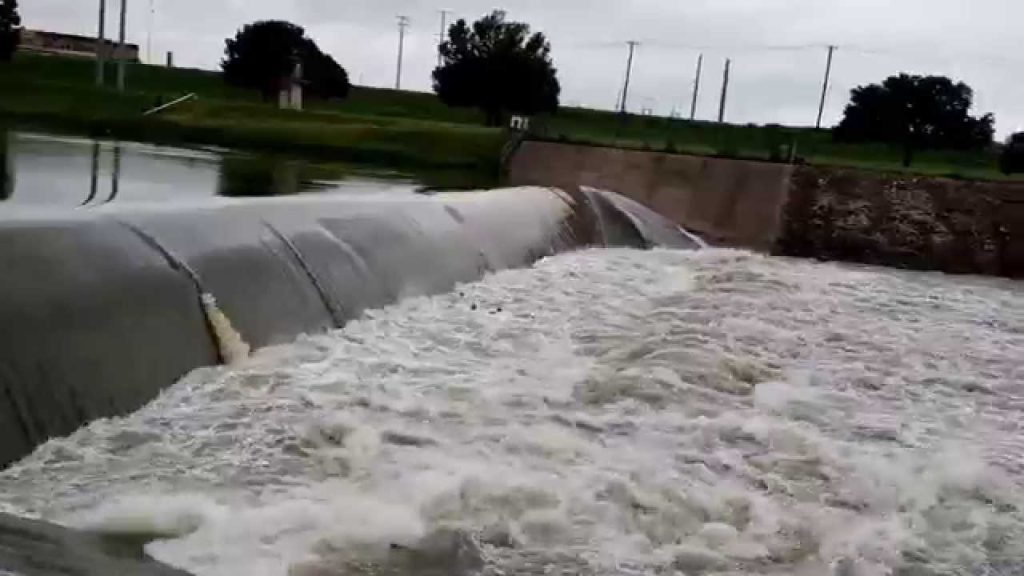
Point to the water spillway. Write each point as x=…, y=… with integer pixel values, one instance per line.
x=101, y=310
x=601, y=412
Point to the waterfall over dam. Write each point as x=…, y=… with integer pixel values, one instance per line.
x=102, y=310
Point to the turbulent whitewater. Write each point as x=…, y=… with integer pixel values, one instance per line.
x=604, y=412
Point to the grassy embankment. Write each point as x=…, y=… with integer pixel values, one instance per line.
x=57, y=93
x=760, y=143
x=404, y=128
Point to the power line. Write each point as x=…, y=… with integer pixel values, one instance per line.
x=929, y=60
x=403, y=23
x=960, y=55
x=670, y=45
x=848, y=48
x=733, y=47
x=590, y=45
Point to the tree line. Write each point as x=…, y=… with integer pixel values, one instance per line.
x=917, y=113
x=501, y=67
x=494, y=64
x=263, y=55
x=10, y=29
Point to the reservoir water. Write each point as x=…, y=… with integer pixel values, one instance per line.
x=604, y=412
x=46, y=170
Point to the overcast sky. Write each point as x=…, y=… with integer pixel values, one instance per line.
x=777, y=46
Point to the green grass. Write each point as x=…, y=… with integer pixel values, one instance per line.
x=766, y=143
x=389, y=126
x=58, y=93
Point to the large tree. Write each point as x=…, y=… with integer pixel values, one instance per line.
x=1011, y=161
x=917, y=112
x=264, y=53
x=497, y=66
x=10, y=28
x=326, y=78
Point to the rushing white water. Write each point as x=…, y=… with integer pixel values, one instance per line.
x=606, y=412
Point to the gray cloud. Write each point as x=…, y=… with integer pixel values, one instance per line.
x=973, y=40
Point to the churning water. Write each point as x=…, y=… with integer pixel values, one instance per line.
x=606, y=412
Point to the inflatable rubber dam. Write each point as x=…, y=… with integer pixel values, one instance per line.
x=101, y=310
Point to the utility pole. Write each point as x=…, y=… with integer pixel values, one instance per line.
x=403, y=23
x=725, y=91
x=696, y=88
x=444, y=32
x=149, y=33
x=629, y=71
x=121, y=47
x=94, y=181
x=824, y=89
x=101, y=45
x=115, y=174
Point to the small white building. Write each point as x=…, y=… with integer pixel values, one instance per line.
x=290, y=95
x=520, y=123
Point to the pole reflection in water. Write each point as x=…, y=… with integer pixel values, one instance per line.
x=6, y=169
x=115, y=173
x=95, y=175
x=38, y=169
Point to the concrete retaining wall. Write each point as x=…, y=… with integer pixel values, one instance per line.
x=731, y=202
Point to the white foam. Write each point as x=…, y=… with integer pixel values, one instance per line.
x=606, y=412
x=232, y=347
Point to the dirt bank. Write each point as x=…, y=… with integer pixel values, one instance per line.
x=899, y=220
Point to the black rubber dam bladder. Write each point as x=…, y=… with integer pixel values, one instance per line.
x=231, y=347
x=102, y=309
x=337, y=316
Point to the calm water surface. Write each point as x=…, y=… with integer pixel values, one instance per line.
x=39, y=169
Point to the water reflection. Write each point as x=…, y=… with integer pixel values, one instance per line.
x=44, y=169
x=115, y=175
x=6, y=170
x=95, y=173
x=241, y=177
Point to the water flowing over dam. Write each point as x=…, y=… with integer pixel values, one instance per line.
x=100, y=312
x=491, y=384
x=603, y=412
